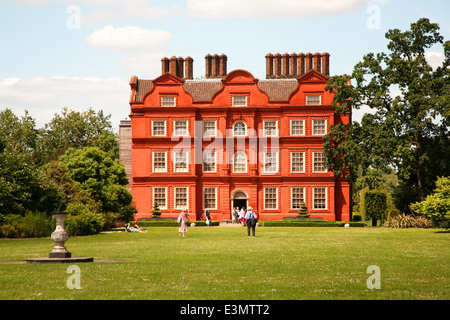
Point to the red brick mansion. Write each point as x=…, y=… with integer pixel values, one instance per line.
x=231, y=140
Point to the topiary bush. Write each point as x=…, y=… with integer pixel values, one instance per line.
x=373, y=205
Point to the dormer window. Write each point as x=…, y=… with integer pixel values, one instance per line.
x=168, y=101
x=313, y=99
x=239, y=101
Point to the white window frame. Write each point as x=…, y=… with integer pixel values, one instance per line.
x=291, y=158
x=210, y=134
x=314, y=162
x=276, y=199
x=165, y=161
x=175, y=134
x=215, y=161
x=215, y=198
x=153, y=128
x=277, y=162
x=276, y=128
x=165, y=196
x=303, y=129
x=292, y=197
x=235, y=103
x=314, y=124
x=314, y=198
x=245, y=128
x=166, y=101
x=234, y=159
x=174, y=158
x=175, y=198
x=312, y=103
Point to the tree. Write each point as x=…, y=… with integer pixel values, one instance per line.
x=74, y=129
x=407, y=131
x=373, y=205
x=101, y=176
x=303, y=211
x=156, y=212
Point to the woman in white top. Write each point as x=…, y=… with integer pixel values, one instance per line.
x=241, y=216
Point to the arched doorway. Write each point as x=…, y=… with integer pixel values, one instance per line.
x=239, y=199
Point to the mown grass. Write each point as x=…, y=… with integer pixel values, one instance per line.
x=211, y=263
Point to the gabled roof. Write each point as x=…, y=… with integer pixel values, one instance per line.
x=203, y=90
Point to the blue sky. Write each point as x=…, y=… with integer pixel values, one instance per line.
x=80, y=54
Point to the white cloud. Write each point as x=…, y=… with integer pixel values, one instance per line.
x=267, y=9
x=128, y=38
x=434, y=58
x=45, y=96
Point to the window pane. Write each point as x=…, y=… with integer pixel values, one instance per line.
x=239, y=101
x=240, y=162
x=270, y=198
x=181, y=128
x=297, y=127
x=159, y=162
x=239, y=129
x=313, y=99
x=270, y=162
x=209, y=128
x=159, y=128
x=270, y=128
x=209, y=161
x=159, y=195
x=209, y=195
x=319, y=126
x=320, y=198
x=167, y=101
x=180, y=198
x=319, y=162
x=180, y=161
x=297, y=197
x=297, y=162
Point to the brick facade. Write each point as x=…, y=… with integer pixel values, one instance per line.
x=234, y=140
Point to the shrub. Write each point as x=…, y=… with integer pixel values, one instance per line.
x=82, y=220
x=373, y=205
x=407, y=221
x=437, y=205
x=303, y=211
x=32, y=225
x=156, y=212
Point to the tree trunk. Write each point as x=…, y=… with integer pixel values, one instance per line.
x=419, y=176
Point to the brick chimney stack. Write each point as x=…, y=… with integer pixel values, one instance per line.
x=215, y=66
x=317, y=59
x=293, y=65
x=177, y=66
x=189, y=68
x=326, y=64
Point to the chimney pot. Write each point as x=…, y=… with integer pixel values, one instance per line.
x=277, y=58
x=164, y=65
x=215, y=65
x=208, y=66
x=269, y=66
x=317, y=58
x=180, y=67
x=285, y=64
x=293, y=64
x=188, y=68
x=173, y=65
x=301, y=63
x=308, y=62
x=326, y=63
x=223, y=65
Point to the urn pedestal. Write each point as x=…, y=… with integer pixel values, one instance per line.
x=59, y=237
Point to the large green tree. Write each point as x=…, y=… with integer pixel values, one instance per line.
x=103, y=177
x=76, y=129
x=407, y=128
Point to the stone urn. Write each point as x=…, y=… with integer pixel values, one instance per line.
x=59, y=237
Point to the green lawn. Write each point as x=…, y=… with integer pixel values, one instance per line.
x=280, y=263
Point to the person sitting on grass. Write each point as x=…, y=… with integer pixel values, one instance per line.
x=136, y=228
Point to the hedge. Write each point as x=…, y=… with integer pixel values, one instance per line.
x=171, y=223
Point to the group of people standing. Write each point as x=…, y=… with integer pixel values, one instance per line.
x=248, y=218
x=245, y=217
